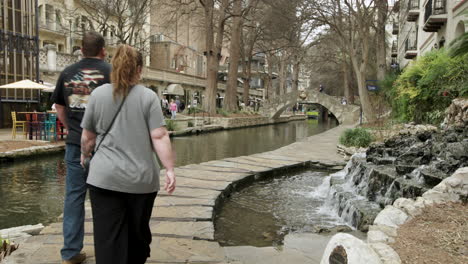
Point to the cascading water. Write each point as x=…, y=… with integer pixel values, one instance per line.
x=404, y=166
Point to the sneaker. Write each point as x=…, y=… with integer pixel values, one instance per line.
x=76, y=259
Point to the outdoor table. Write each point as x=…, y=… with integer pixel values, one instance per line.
x=30, y=120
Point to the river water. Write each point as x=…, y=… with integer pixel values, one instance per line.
x=32, y=191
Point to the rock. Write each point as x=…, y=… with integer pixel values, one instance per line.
x=376, y=236
x=456, y=113
x=388, y=230
x=407, y=206
x=391, y=216
x=341, y=228
x=357, y=251
x=386, y=253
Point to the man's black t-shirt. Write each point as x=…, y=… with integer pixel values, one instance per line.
x=73, y=89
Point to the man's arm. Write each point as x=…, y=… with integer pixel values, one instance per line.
x=162, y=146
x=62, y=114
x=88, y=141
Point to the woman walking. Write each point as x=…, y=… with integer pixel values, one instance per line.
x=173, y=107
x=125, y=122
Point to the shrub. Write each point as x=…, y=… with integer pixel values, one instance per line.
x=190, y=124
x=171, y=125
x=427, y=86
x=222, y=112
x=357, y=137
x=194, y=110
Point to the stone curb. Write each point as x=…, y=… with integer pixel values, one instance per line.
x=30, y=152
x=384, y=230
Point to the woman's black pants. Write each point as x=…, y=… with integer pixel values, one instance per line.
x=121, y=226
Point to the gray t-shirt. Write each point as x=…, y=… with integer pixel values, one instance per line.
x=125, y=161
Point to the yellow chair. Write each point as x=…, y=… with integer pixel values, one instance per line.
x=17, y=124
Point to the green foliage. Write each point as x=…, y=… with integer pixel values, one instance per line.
x=194, y=110
x=221, y=111
x=427, y=86
x=171, y=125
x=190, y=124
x=459, y=46
x=356, y=137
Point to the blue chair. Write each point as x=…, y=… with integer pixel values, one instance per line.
x=50, y=125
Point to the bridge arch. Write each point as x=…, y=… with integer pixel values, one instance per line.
x=345, y=114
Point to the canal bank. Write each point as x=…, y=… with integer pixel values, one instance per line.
x=182, y=224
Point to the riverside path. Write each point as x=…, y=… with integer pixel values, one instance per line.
x=182, y=224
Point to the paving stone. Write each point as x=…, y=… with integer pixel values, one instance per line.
x=239, y=166
x=209, y=175
x=176, y=201
x=209, y=167
x=193, y=193
x=196, y=183
x=198, y=230
x=273, y=164
x=185, y=250
x=183, y=212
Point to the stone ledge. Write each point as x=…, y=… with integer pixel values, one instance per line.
x=31, y=152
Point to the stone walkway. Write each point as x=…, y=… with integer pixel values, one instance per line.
x=182, y=224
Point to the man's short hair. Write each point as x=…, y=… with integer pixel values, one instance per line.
x=93, y=43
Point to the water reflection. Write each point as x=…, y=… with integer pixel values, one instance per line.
x=246, y=141
x=32, y=191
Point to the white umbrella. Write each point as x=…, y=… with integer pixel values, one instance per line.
x=24, y=84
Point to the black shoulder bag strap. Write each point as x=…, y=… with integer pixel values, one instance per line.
x=110, y=126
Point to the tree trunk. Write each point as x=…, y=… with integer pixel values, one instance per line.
x=270, y=93
x=230, y=100
x=209, y=102
x=282, y=76
x=382, y=8
x=248, y=76
x=366, y=104
x=295, y=76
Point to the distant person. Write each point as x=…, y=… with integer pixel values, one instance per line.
x=294, y=109
x=124, y=120
x=173, y=107
x=181, y=106
x=71, y=96
x=321, y=89
x=344, y=101
x=177, y=101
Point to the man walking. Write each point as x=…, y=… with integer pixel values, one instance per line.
x=71, y=94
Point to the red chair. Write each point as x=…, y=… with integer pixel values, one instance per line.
x=61, y=130
x=35, y=124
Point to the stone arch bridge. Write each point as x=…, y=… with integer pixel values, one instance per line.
x=346, y=114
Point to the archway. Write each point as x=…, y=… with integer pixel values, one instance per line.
x=460, y=29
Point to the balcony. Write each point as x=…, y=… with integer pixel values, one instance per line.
x=52, y=27
x=435, y=15
x=396, y=28
x=394, y=49
x=411, y=47
x=413, y=10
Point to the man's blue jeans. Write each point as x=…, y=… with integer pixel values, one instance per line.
x=73, y=211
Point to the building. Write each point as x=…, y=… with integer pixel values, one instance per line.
x=424, y=25
x=18, y=55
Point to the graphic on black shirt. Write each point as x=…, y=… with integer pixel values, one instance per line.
x=80, y=86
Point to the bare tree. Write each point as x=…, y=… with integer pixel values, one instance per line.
x=124, y=19
x=352, y=21
x=381, y=51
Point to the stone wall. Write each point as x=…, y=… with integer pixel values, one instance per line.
x=237, y=122
x=384, y=230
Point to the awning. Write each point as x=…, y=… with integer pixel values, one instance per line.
x=24, y=84
x=175, y=89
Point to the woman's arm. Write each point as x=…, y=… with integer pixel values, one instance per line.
x=162, y=146
x=88, y=141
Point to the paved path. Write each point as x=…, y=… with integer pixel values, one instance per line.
x=182, y=224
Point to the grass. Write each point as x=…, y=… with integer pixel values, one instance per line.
x=356, y=137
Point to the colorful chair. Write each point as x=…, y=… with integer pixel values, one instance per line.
x=50, y=125
x=17, y=124
x=60, y=128
x=36, y=125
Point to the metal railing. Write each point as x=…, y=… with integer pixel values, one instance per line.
x=435, y=7
x=411, y=41
x=394, y=47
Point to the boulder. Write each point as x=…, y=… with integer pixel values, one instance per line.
x=356, y=251
x=391, y=216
